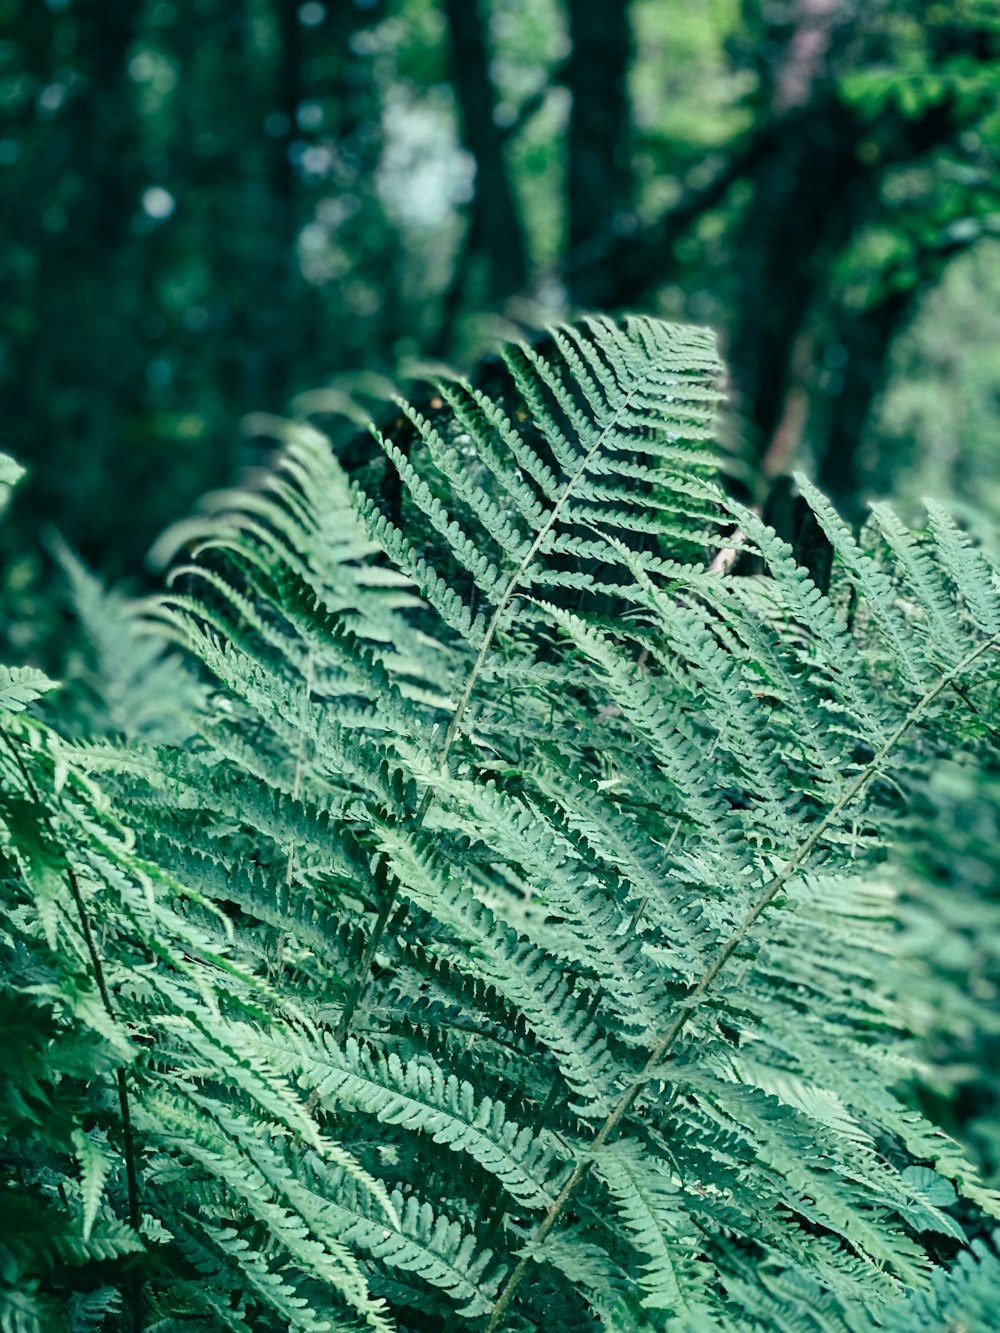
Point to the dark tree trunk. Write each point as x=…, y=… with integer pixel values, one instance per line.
x=808, y=195
x=72, y=372
x=496, y=224
x=599, y=176
x=277, y=270
x=865, y=340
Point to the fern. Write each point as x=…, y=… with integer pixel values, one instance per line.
x=508, y=943
x=21, y=686
x=965, y=1297
x=120, y=681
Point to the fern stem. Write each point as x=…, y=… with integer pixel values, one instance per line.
x=473, y=679
x=128, y=1135
x=666, y=1043
x=964, y=694
x=280, y=943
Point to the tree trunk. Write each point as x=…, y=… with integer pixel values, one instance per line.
x=808, y=195
x=75, y=367
x=497, y=228
x=865, y=340
x=599, y=177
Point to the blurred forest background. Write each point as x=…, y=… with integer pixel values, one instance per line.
x=210, y=208
x=214, y=210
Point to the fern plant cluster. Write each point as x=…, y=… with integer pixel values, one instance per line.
x=499, y=934
x=949, y=910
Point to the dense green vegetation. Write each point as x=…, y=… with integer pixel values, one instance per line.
x=484, y=843
x=490, y=921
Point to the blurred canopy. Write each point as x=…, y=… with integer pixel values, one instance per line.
x=210, y=207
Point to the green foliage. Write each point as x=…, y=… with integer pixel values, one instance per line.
x=20, y=686
x=508, y=945
x=119, y=680
x=965, y=1298
x=950, y=913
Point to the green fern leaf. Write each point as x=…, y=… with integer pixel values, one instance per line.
x=21, y=686
x=95, y=1167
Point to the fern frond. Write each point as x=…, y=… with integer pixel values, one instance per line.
x=21, y=686
x=507, y=941
x=659, y=1226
